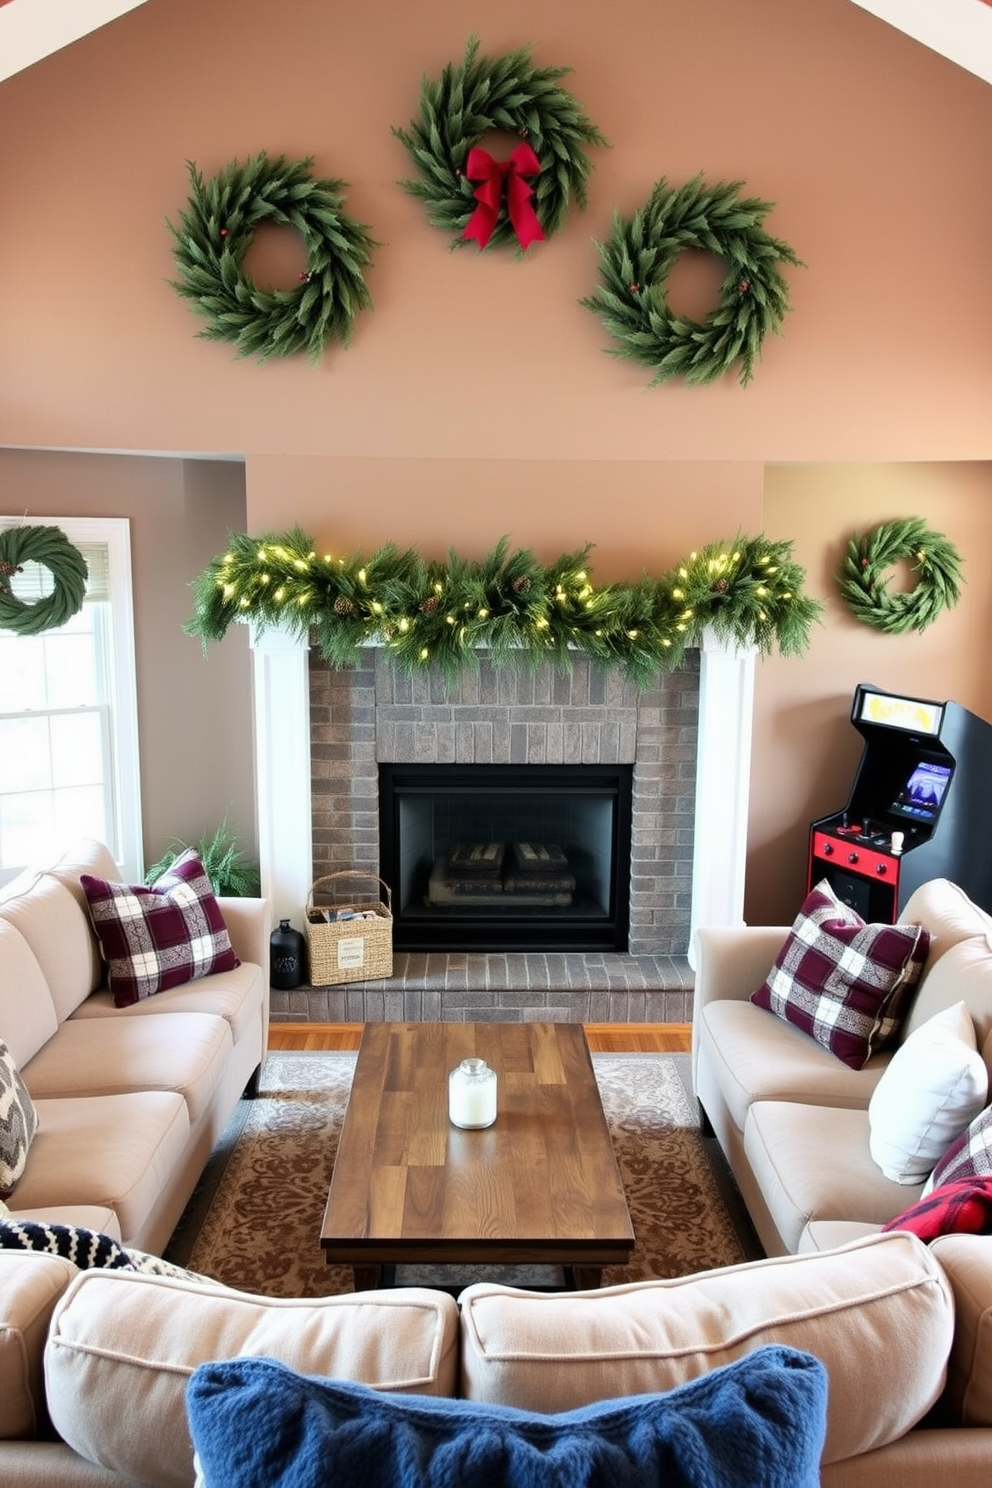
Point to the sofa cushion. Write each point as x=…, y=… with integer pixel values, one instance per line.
x=934, y=1086
x=969, y=1156
x=842, y=981
x=967, y=1263
x=883, y=1301
x=962, y=974
x=118, y=1151
x=27, y=1013
x=185, y=1052
x=30, y=1286
x=18, y=1122
x=236, y=996
x=118, y=1337
x=949, y=915
x=766, y=1411
x=57, y=927
x=159, y=937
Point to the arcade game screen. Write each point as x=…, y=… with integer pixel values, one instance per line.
x=923, y=792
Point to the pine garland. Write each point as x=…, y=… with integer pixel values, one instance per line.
x=862, y=578
x=49, y=547
x=216, y=230
x=643, y=249
x=519, y=610
x=481, y=94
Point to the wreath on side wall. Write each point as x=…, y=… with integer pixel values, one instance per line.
x=49, y=547
x=642, y=251
x=215, y=232
x=863, y=584
x=521, y=611
x=481, y=94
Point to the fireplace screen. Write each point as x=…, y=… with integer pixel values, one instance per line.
x=506, y=857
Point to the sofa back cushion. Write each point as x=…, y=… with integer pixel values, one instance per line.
x=118, y=1337
x=967, y=1261
x=30, y=1286
x=962, y=974
x=948, y=914
x=879, y=1309
x=56, y=926
x=27, y=1012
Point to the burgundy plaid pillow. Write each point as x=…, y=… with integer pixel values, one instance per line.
x=841, y=981
x=159, y=937
x=970, y=1156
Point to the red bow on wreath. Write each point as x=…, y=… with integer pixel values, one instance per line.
x=492, y=173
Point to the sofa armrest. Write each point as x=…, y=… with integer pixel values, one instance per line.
x=248, y=925
x=732, y=962
x=967, y=1263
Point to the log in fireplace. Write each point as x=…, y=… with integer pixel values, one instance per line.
x=507, y=857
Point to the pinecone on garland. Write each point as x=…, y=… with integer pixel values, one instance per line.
x=343, y=605
x=430, y=604
x=521, y=584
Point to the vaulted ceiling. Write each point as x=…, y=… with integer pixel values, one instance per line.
x=31, y=29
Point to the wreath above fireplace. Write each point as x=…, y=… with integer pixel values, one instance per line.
x=520, y=611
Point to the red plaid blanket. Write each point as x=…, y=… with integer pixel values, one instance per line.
x=963, y=1208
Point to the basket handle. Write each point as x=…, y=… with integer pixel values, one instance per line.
x=350, y=873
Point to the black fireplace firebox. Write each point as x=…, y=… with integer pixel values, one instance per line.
x=507, y=857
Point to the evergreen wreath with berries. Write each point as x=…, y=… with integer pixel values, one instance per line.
x=642, y=250
x=216, y=229
x=862, y=579
x=520, y=611
x=475, y=97
x=49, y=547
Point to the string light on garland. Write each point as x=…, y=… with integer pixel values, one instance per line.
x=864, y=574
x=49, y=547
x=520, y=611
x=644, y=248
x=466, y=191
x=216, y=230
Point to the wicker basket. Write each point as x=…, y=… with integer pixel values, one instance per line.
x=350, y=950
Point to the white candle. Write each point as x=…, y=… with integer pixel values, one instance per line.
x=472, y=1094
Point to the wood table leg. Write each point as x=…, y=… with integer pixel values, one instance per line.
x=583, y=1278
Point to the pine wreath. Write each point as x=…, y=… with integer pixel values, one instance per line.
x=216, y=230
x=641, y=252
x=474, y=97
x=49, y=547
x=862, y=578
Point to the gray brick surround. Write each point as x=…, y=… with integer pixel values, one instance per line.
x=374, y=714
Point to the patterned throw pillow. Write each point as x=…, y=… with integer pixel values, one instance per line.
x=18, y=1122
x=841, y=981
x=159, y=937
x=970, y=1156
x=86, y=1249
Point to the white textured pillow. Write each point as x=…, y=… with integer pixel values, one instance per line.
x=935, y=1085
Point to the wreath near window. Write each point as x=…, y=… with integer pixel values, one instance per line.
x=467, y=192
x=644, y=248
x=216, y=230
x=863, y=577
x=49, y=547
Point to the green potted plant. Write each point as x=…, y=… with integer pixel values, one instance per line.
x=230, y=873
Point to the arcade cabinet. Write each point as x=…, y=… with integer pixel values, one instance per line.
x=920, y=807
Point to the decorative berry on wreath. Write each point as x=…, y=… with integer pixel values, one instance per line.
x=862, y=578
x=216, y=230
x=49, y=547
x=466, y=191
x=643, y=249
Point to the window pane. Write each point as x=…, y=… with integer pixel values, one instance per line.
x=70, y=670
x=80, y=813
x=25, y=761
x=22, y=667
x=26, y=828
x=77, y=750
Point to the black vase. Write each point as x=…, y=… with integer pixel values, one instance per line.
x=286, y=952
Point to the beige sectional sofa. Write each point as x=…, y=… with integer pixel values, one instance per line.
x=131, y=1101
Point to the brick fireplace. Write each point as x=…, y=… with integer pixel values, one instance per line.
x=321, y=735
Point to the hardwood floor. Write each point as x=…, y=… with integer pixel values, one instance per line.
x=604, y=1038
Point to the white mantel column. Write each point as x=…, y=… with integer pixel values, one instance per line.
x=723, y=783
x=282, y=770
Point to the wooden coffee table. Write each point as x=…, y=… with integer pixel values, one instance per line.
x=540, y=1185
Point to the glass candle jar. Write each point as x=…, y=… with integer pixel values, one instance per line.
x=472, y=1094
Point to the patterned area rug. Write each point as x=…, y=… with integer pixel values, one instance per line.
x=255, y=1218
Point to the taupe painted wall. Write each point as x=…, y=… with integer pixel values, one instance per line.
x=477, y=399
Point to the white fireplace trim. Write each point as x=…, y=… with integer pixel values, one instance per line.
x=283, y=793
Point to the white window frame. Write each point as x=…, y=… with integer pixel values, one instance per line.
x=115, y=534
